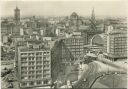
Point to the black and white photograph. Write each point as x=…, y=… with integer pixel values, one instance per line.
x=52, y=44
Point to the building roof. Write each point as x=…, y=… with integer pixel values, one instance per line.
x=82, y=27
x=74, y=14
x=91, y=54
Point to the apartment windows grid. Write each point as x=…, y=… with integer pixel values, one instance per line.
x=33, y=65
x=117, y=44
x=75, y=45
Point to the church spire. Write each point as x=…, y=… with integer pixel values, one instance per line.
x=93, y=20
x=93, y=14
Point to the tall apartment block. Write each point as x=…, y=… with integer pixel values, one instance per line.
x=34, y=67
x=116, y=43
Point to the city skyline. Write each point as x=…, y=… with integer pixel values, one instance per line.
x=50, y=8
x=63, y=44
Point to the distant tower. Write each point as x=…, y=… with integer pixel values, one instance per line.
x=74, y=18
x=17, y=15
x=93, y=20
x=93, y=15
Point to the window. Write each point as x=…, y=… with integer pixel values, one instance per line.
x=44, y=58
x=31, y=77
x=39, y=67
x=23, y=68
x=25, y=77
x=30, y=63
x=31, y=72
x=48, y=52
x=31, y=54
x=38, y=82
x=38, y=76
x=31, y=68
x=46, y=71
x=31, y=83
x=23, y=54
x=38, y=71
x=24, y=72
x=44, y=53
x=31, y=58
x=46, y=62
x=23, y=59
x=39, y=63
x=24, y=63
x=24, y=84
x=46, y=82
x=46, y=66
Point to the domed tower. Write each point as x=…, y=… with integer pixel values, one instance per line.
x=17, y=15
x=74, y=20
x=74, y=16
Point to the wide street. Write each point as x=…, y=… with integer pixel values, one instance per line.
x=96, y=69
x=91, y=69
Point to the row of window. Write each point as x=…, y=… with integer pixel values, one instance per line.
x=32, y=72
x=36, y=67
x=35, y=58
x=33, y=63
x=39, y=82
x=76, y=50
x=36, y=62
x=39, y=76
x=73, y=39
x=37, y=53
x=75, y=46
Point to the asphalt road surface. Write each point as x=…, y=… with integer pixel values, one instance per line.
x=90, y=74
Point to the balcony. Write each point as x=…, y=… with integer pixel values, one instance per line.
x=46, y=68
x=39, y=63
x=23, y=59
x=46, y=76
x=31, y=59
x=39, y=76
x=32, y=77
x=24, y=54
x=38, y=72
x=31, y=55
x=31, y=63
x=31, y=68
x=38, y=54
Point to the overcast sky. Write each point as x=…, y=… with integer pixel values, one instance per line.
x=64, y=8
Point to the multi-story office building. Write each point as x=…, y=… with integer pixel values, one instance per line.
x=34, y=66
x=116, y=43
x=75, y=44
